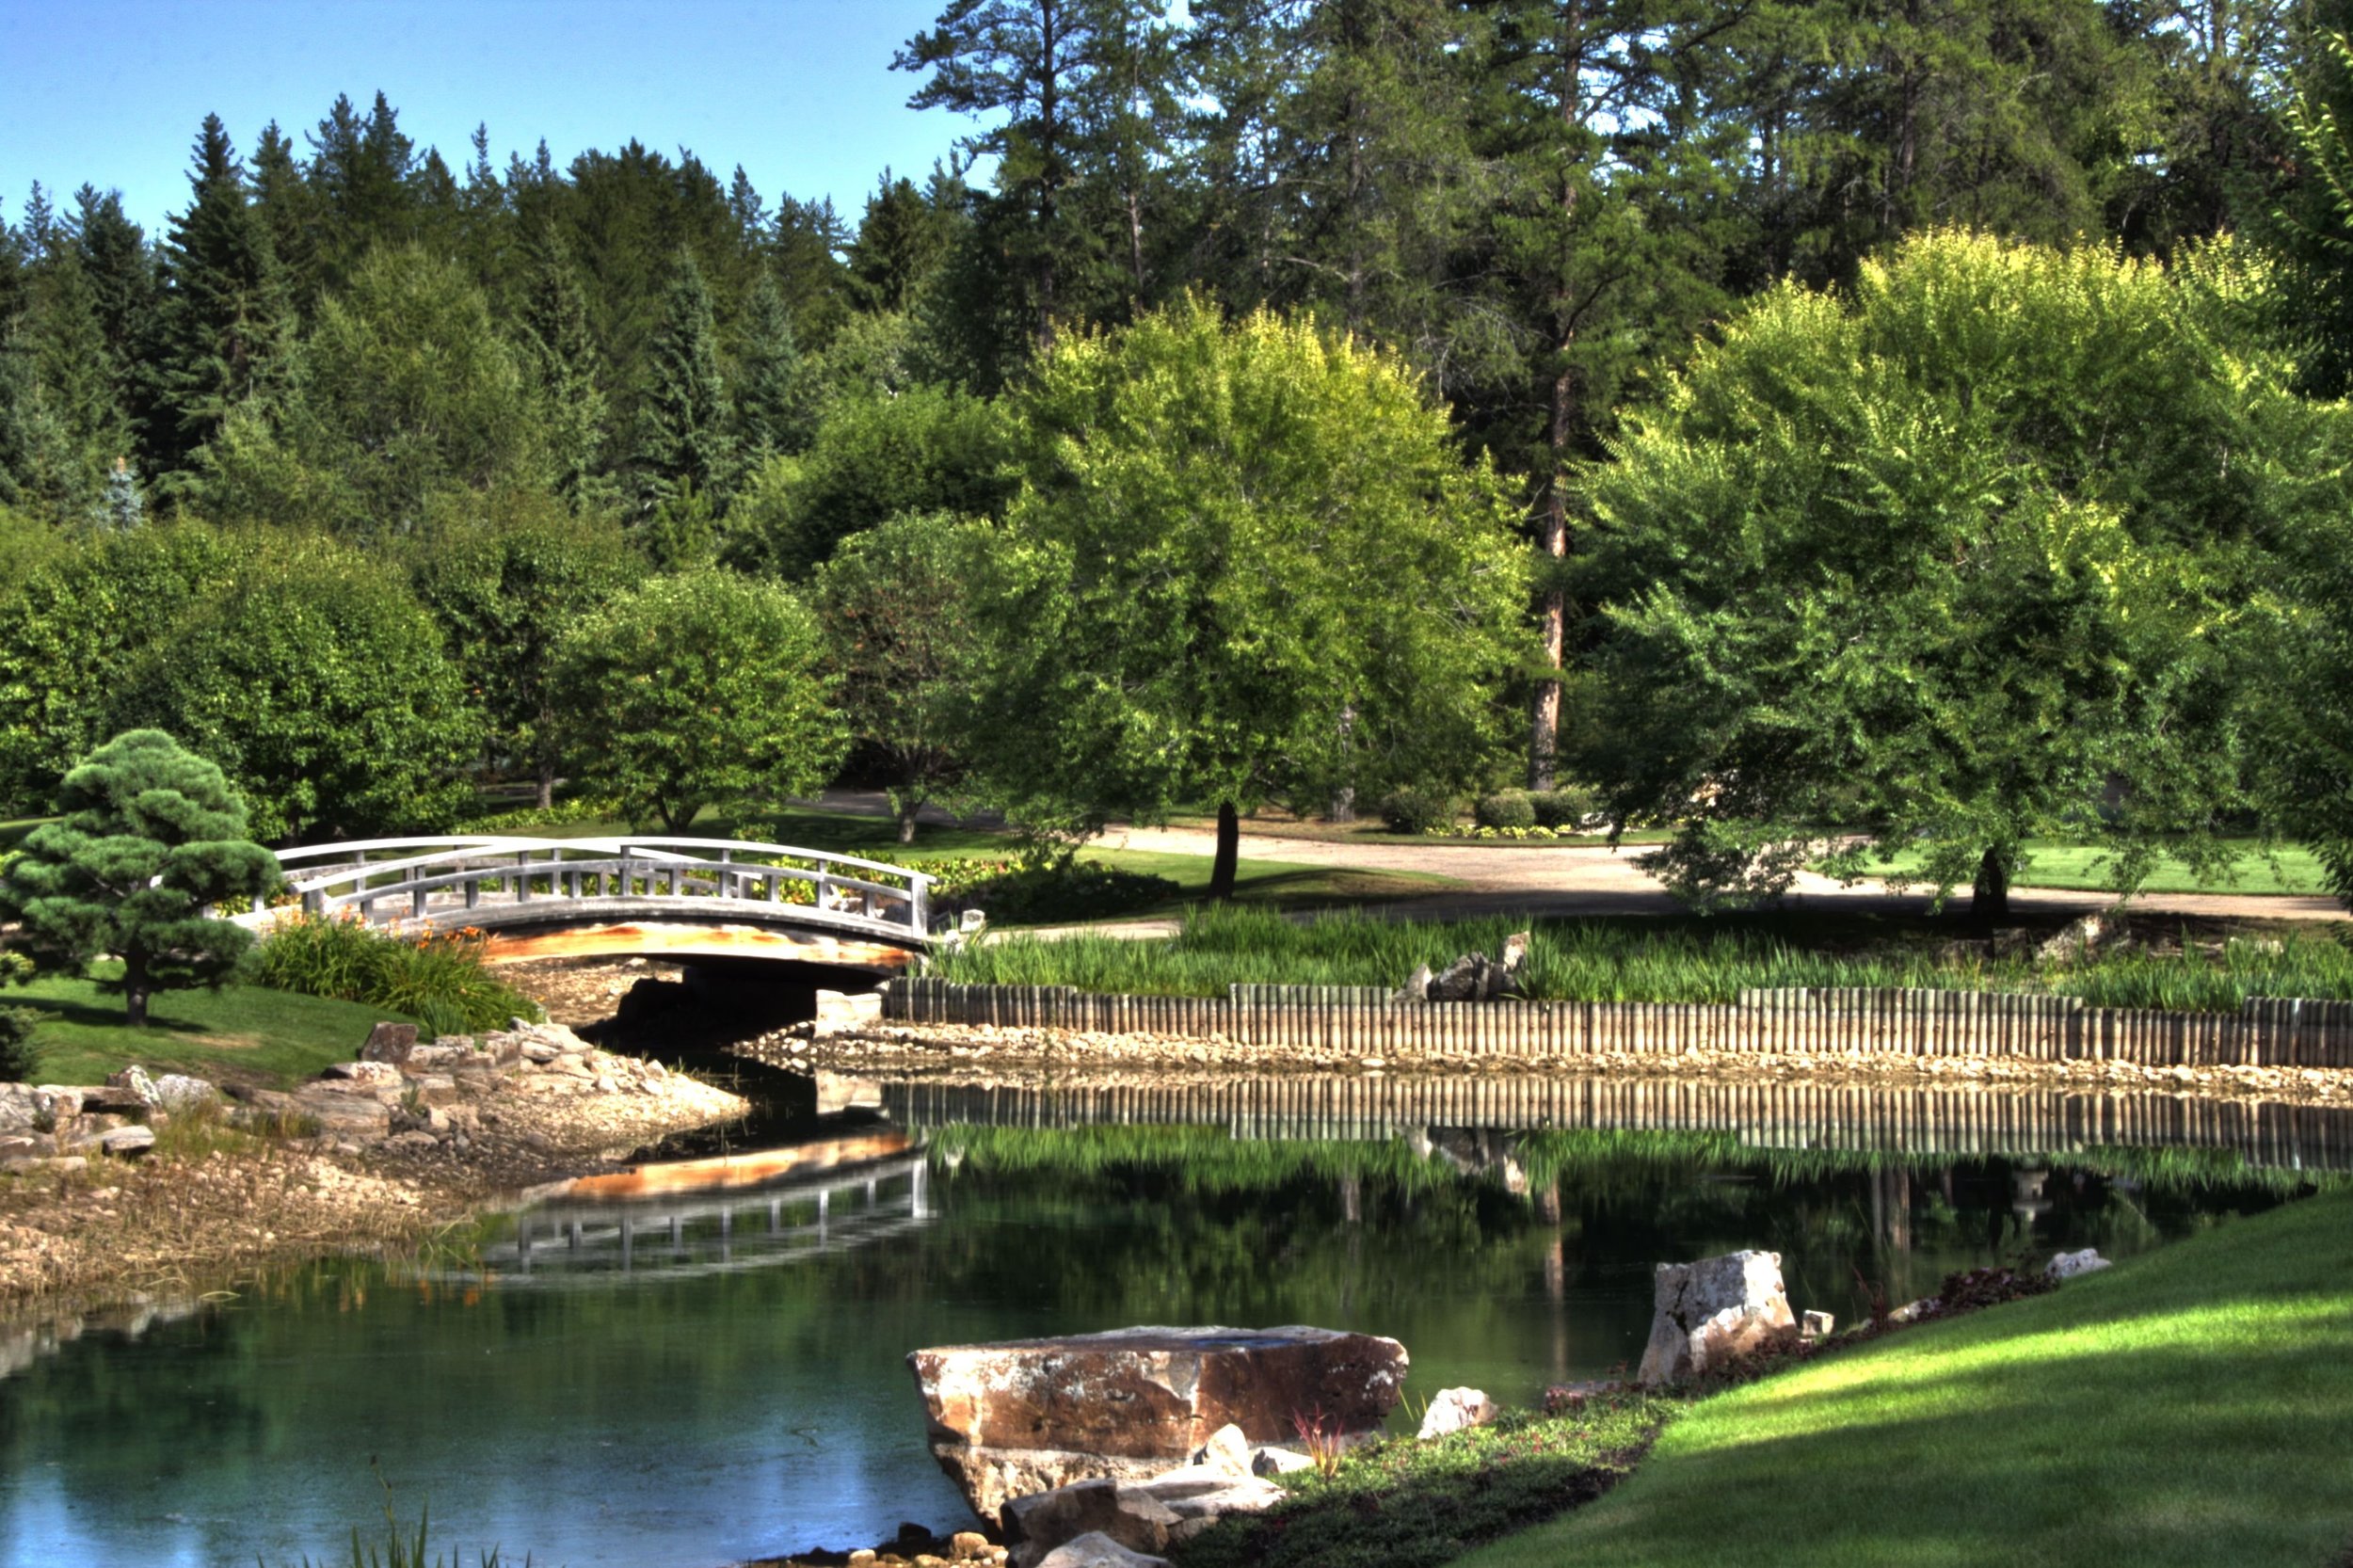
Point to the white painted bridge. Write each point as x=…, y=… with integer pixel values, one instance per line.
x=673, y=897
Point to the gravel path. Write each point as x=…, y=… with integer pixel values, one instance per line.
x=1587, y=880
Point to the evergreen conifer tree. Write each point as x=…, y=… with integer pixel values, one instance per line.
x=771, y=414
x=121, y=274
x=561, y=360
x=682, y=416
x=290, y=210
x=149, y=839
x=226, y=323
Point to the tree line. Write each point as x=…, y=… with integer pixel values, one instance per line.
x=1209, y=418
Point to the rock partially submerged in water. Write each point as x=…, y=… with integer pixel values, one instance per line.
x=1142, y=1516
x=1716, y=1310
x=1026, y=1416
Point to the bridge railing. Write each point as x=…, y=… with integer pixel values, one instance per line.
x=460, y=873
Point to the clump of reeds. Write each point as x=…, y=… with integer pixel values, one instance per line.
x=1219, y=945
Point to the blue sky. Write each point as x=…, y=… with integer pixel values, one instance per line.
x=798, y=91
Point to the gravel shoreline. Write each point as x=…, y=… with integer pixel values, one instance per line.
x=1023, y=1055
x=210, y=1205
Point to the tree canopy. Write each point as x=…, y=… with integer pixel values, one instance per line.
x=1247, y=562
x=699, y=689
x=1954, y=559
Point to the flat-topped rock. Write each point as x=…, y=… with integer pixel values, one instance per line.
x=1023, y=1416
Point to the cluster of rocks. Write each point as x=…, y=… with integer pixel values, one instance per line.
x=406, y=1094
x=1473, y=977
x=399, y=1093
x=1143, y=1437
x=62, y=1126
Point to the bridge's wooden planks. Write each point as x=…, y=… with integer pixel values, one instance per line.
x=682, y=940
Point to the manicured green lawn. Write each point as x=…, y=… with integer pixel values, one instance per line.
x=2191, y=1407
x=240, y=1033
x=1277, y=883
x=2081, y=868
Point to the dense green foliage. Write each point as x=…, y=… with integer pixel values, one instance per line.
x=899, y=622
x=2104, y=605
x=1961, y=558
x=709, y=689
x=1604, y=961
x=1247, y=563
x=322, y=688
x=149, y=841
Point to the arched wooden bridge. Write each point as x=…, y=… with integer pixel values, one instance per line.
x=676, y=898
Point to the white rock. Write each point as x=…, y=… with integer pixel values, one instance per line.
x=1226, y=1453
x=379, y=1073
x=1096, y=1550
x=1715, y=1310
x=177, y=1092
x=1456, y=1410
x=128, y=1140
x=2067, y=1265
x=1815, y=1325
x=1279, y=1461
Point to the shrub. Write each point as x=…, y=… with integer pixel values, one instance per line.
x=1418, y=811
x=1012, y=889
x=20, y=1059
x=439, y=980
x=1567, y=806
x=1506, y=808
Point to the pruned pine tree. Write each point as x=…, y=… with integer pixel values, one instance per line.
x=149, y=841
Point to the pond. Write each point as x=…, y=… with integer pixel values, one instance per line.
x=713, y=1370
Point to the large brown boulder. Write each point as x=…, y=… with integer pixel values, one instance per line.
x=1028, y=1415
x=1716, y=1310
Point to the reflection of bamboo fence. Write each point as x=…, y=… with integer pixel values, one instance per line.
x=1357, y=1022
x=1920, y=1121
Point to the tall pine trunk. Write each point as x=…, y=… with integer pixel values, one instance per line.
x=1222, y=869
x=1552, y=529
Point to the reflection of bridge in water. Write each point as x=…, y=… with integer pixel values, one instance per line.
x=767, y=1209
x=1934, y=1120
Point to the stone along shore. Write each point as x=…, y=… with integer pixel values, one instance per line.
x=156, y=1186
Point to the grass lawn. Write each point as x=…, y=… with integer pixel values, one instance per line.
x=2191, y=1407
x=2079, y=868
x=240, y=1033
x=1277, y=884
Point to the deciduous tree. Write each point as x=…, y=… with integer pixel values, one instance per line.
x=1247, y=563
x=700, y=689
x=1952, y=561
x=897, y=604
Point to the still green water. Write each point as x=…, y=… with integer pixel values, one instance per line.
x=685, y=1382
